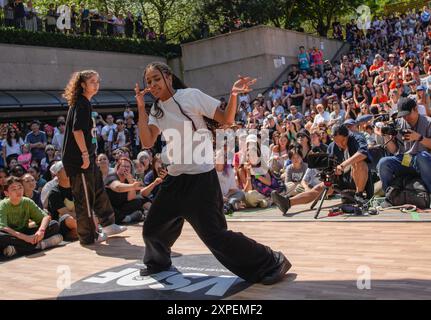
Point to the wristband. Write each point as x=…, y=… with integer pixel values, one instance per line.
x=42, y=230
x=421, y=138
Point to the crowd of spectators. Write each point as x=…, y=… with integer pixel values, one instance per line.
x=320, y=107
x=84, y=21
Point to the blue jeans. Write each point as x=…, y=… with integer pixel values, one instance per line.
x=389, y=166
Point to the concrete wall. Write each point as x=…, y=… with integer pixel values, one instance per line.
x=40, y=68
x=213, y=64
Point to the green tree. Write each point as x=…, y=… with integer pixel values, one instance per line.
x=321, y=13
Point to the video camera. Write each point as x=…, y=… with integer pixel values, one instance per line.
x=325, y=163
x=391, y=126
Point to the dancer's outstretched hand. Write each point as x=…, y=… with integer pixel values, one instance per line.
x=243, y=85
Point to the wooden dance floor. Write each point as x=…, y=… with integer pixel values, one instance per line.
x=338, y=260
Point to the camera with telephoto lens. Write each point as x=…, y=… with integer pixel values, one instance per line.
x=392, y=129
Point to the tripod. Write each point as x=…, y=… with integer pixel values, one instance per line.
x=321, y=199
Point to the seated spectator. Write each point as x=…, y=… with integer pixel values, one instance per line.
x=295, y=172
x=37, y=140
x=17, y=171
x=48, y=187
x=35, y=172
x=103, y=163
x=48, y=159
x=29, y=189
x=11, y=145
x=232, y=195
x=337, y=116
x=61, y=205
x=304, y=141
x=15, y=212
x=24, y=159
x=412, y=152
x=158, y=171
x=322, y=116
x=258, y=178
x=279, y=154
x=122, y=190
x=3, y=177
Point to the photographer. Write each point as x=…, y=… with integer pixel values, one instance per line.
x=351, y=151
x=410, y=147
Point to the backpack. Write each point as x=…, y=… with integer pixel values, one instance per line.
x=408, y=190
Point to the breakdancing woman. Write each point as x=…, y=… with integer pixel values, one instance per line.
x=191, y=190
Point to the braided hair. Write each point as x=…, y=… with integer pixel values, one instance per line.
x=177, y=83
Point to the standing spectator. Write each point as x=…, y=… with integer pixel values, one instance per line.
x=110, y=28
x=128, y=113
x=30, y=17
x=11, y=145
x=37, y=140
x=9, y=14
x=152, y=35
x=58, y=139
x=51, y=19
x=121, y=136
x=139, y=27
x=303, y=59
x=19, y=14
x=120, y=26
x=129, y=25
x=85, y=19
x=108, y=133
x=317, y=59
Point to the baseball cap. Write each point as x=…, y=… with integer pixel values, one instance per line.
x=260, y=95
x=405, y=107
x=56, y=167
x=303, y=133
x=420, y=88
x=349, y=122
x=364, y=118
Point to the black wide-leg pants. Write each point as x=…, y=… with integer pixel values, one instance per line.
x=198, y=199
x=90, y=198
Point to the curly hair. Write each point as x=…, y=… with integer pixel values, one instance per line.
x=74, y=89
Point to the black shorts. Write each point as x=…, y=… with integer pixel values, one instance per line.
x=345, y=182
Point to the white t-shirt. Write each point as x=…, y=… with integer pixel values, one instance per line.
x=46, y=190
x=322, y=118
x=108, y=130
x=227, y=182
x=15, y=148
x=58, y=141
x=128, y=114
x=183, y=155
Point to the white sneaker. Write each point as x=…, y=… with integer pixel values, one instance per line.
x=50, y=242
x=101, y=237
x=9, y=251
x=113, y=229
